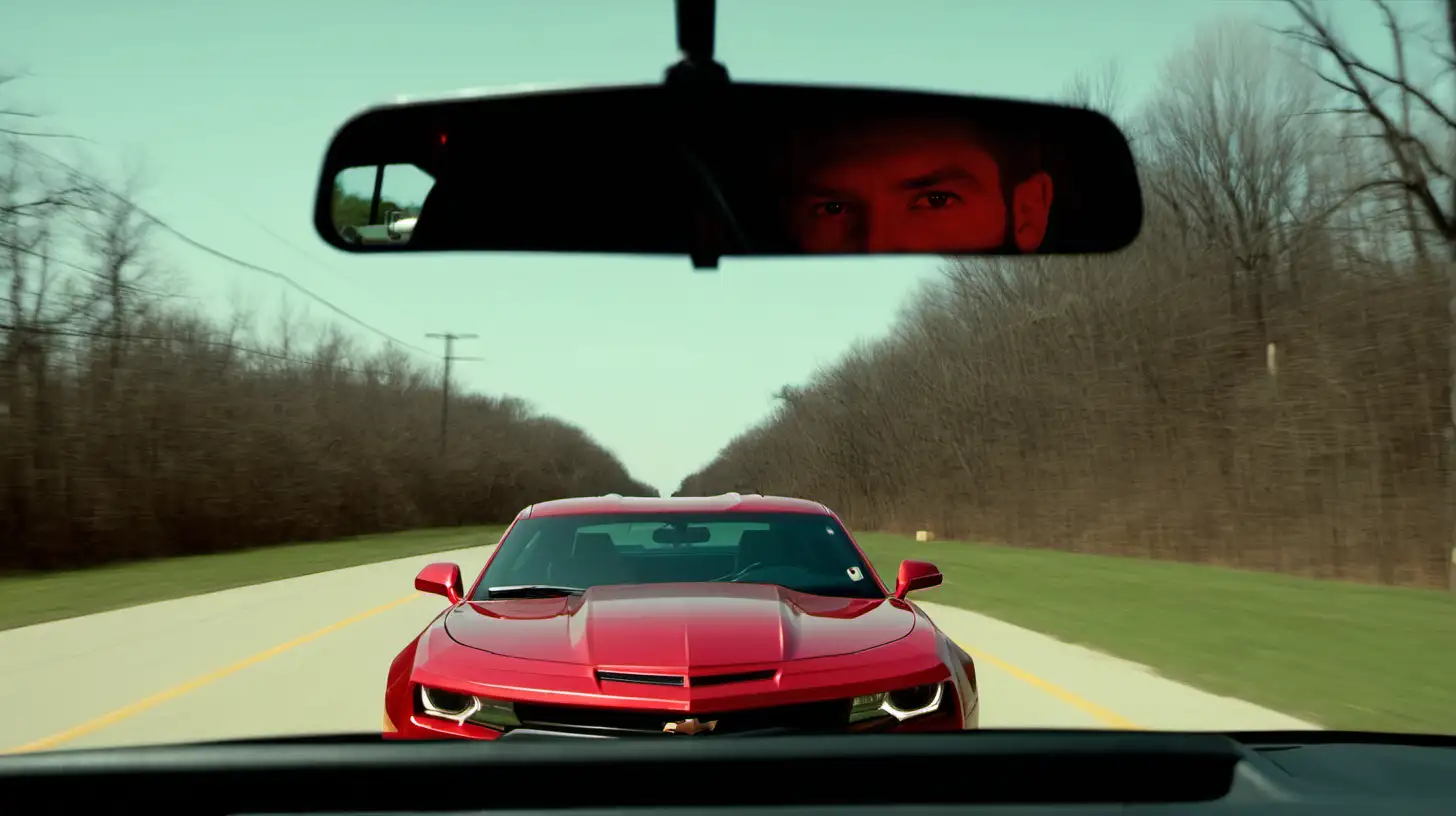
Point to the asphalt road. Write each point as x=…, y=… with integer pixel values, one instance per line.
x=309, y=655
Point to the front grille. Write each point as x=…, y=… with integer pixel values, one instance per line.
x=724, y=679
x=827, y=716
x=678, y=680
x=648, y=679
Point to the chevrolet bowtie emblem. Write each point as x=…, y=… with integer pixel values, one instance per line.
x=690, y=727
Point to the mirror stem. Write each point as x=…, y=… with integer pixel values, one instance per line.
x=696, y=21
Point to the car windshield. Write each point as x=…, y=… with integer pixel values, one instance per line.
x=1206, y=482
x=798, y=551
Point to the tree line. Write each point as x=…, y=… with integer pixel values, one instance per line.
x=1263, y=380
x=132, y=427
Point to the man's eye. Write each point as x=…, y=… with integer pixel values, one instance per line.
x=935, y=200
x=830, y=208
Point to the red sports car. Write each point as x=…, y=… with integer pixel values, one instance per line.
x=616, y=617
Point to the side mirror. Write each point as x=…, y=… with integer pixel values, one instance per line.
x=442, y=578
x=916, y=575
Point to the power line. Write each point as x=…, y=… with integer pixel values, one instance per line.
x=183, y=341
x=229, y=258
x=239, y=212
x=449, y=339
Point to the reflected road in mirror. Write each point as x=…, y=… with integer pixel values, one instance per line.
x=379, y=206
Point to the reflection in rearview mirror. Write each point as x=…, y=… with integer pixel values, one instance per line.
x=378, y=206
x=742, y=169
x=932, y=184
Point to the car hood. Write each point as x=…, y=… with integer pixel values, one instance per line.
x=680, y=626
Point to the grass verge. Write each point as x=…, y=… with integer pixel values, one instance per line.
x=36, y=598
x=1345, y=656
x=1342, y=655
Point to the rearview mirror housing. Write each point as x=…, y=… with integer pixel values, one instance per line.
x=916, y=575
x=441, y=578
x=734, y=169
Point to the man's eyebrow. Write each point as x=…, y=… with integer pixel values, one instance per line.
x=816, y=191
x=937, y=177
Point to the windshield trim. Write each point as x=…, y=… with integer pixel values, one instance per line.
x=478, y=590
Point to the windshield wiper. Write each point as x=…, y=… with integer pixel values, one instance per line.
x=532, y=591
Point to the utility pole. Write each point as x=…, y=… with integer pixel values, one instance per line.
x=450, y=357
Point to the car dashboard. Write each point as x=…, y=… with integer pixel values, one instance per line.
x=1053, y=772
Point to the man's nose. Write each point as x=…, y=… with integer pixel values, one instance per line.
x=879, y=234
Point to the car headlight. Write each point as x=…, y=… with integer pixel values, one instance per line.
x=902, y=704
x=460, y=708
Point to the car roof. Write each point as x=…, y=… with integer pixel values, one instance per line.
x=726, y=503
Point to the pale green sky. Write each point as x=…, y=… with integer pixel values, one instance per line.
x=228, y=108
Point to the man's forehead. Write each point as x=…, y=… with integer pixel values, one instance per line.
x=901, y=162
x=924, y=127
x=858, y=133
x=870, y=140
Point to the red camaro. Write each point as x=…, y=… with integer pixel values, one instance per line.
x=614, y=617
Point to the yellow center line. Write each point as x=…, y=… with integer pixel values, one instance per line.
x=174, y=692
x=1103, y=715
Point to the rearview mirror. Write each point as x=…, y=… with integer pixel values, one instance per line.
x=916, y=575
x=441, y=578
x=736, y=169
x=667, y=534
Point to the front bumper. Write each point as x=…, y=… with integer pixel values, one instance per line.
x=556, y=721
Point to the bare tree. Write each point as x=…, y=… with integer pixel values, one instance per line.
x=1417, y=131
x=1232, y=149
x=1125, y=404
x=1101, y=90
x=131, y=428
x=115, y=235
x=40, y=298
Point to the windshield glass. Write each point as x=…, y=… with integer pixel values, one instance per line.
x=1204, y=483
x=797, y=551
